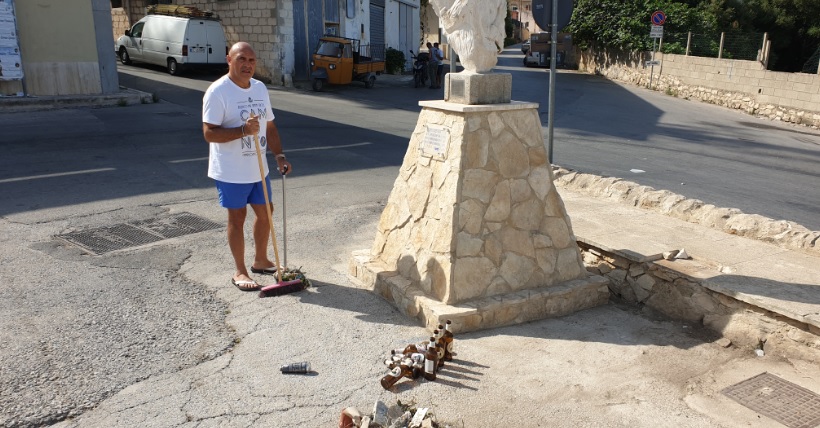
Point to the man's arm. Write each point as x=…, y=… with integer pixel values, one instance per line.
x=218, y=134
x=275, y=146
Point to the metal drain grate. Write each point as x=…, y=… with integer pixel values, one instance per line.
x=177, y=225
x=781, y=400
x=125, y=235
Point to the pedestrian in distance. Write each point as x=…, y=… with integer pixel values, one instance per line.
x=432, y=65
x=234, y=109
x=439, y=54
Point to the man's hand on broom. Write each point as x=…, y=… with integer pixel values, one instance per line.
x=251, y=125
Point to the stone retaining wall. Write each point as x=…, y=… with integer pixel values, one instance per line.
x=736, y=84
x=659, y=287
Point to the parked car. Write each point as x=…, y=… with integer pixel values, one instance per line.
x=176, y=37
x=525, y=47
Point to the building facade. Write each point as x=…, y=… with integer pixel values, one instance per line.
x=285, y=32
x=64, y=48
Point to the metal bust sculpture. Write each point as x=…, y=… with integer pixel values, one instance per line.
x=475, y=30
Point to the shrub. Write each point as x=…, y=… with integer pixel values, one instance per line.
x=394, y=61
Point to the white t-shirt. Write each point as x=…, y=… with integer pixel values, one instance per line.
x=227, y=105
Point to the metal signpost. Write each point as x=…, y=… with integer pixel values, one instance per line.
x=658, y=18
x=545, y=13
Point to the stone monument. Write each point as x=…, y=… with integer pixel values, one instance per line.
x=474, y=230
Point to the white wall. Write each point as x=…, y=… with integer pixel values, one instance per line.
x=352, y=27
x=391, y=24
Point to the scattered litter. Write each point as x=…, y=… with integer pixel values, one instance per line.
x=404, y=415
x=726, y=269
x=380, y=413
x=418, y=417
x=759, y=352
x=683, y=184
x=637, y=171
x=670, y=255
x=682, y=254
x=350, y=418
x=402, y=421
x=301, y=367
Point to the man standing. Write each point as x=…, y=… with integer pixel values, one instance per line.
x=234, y=109
x=432, y=66
x=439, y=54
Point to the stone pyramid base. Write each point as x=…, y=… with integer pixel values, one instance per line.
x=478, y=314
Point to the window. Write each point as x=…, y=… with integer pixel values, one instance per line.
x=137, y=30
x=332, y=11
x=351, y=9
x=116, y=4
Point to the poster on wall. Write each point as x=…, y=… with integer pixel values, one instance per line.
x=10, y=64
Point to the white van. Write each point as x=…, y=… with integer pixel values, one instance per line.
x=174, y=42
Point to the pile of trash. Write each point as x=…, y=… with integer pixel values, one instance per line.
x=420, y=359
x=400, y=415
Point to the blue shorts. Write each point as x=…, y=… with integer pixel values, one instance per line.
x=238, y=195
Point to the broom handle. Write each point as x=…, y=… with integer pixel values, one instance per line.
x=267, y=207
x=284, y=225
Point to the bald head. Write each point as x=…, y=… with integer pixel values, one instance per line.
x=239, y=47
x=241, y=63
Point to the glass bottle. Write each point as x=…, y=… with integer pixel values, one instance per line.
x=448, y=340
x=404, y=369
x=431, y=361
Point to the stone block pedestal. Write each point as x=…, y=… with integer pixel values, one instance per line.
x=480, y=313
x=478, y=89
x=474, y=230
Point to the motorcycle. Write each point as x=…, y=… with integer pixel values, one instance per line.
x=419, y=68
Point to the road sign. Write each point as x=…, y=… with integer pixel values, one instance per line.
x=651, y=63
x=656, y=32
x=658, y=17
x=542, y=13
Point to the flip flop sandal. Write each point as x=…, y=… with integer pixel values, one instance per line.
x=244, y=285
x=264, y=271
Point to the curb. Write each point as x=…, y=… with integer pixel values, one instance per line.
x=785, y=234
x=124, y=97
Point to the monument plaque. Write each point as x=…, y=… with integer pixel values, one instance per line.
x=436, y=142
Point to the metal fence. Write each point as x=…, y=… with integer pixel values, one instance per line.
x=813, y=63
x=373, y=51
x=745, y=46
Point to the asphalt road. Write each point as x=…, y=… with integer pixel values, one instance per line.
x=720, y=156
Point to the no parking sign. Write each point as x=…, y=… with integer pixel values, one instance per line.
x=658, y=17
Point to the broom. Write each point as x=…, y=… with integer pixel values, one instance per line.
x=281, y=287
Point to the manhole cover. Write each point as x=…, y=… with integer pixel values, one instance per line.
x=125, y=235
x=781, y=400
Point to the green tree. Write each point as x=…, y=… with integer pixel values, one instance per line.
x=625, y=24
x=793, y=27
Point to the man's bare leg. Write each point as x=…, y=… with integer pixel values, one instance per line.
x=236, y=242
x=261, y=232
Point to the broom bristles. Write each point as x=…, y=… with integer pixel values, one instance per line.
x=280, y=288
